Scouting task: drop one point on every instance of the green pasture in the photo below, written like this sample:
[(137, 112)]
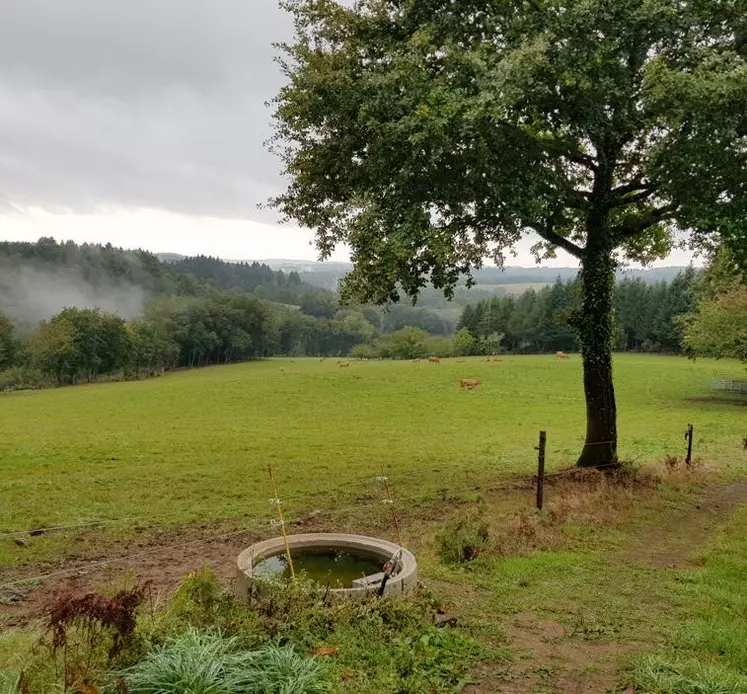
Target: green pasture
[(195, 445)]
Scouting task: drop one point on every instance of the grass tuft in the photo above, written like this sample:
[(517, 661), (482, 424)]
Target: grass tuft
[(209, 663), (658, 675)]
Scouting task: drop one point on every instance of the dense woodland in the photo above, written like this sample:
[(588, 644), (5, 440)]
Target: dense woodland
[(200, 311), (540, 321)]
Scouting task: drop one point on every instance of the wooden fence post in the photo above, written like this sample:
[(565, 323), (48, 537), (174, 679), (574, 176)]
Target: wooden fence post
[(689, 437), (541, 469)]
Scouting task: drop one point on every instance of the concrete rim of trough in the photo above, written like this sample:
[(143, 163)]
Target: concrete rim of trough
[(402, 583)]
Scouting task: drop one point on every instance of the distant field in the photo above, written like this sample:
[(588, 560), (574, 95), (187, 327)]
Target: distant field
[(517, 288), (194, 446)]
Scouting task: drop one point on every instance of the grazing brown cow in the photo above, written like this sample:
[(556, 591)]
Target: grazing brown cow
[(434, 360), (469, 383), (561, 355)]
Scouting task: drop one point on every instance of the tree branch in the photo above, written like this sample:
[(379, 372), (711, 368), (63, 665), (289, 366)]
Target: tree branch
[(636, 226), (635, 185), (644, 193), (582, 159), (549, 235)]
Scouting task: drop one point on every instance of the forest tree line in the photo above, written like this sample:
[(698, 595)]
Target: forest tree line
[(215, 319), (542, 321)]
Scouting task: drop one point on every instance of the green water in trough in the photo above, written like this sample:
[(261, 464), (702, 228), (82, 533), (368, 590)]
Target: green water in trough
[(336, 569)]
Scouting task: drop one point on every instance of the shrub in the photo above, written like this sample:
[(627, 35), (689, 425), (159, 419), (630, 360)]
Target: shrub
[(201, 602), (365, 351), (87, 633), (462, 540), (22, 378)]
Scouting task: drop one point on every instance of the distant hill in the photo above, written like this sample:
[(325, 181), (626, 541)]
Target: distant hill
[(286, 287), (328, 274), (37, 280)]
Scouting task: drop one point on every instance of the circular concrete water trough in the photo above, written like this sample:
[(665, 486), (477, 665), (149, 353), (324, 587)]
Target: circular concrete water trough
[(402, 582)]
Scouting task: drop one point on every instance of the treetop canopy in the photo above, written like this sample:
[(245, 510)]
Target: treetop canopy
[(431, 134)]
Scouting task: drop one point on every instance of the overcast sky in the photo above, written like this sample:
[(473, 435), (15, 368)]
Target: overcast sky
[(142, 122)]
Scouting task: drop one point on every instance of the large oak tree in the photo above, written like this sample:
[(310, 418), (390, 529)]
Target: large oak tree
[(431, 134)]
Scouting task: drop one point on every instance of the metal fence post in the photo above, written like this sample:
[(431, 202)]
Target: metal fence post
[(689, 437), (541, 469)]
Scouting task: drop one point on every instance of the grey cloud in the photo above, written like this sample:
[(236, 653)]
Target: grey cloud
[(143, 103)]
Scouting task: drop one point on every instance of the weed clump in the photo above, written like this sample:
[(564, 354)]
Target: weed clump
[(85, 634), (463, 540)]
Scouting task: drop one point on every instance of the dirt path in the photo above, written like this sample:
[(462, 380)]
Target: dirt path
[(676, 539), (549, 660)]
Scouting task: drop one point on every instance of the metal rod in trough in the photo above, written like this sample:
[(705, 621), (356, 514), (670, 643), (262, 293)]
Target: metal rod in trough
[(390, 502), (279, 506)]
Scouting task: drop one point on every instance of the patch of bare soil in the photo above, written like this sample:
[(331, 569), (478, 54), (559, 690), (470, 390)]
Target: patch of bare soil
[(163, 566), (163, 562), (550, 659)]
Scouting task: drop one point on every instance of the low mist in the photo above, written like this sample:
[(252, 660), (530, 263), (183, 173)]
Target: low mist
[(29, 294)]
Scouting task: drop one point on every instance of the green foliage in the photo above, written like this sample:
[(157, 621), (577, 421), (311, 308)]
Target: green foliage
[(442, 347), (202, 602), (23, 378), (418, 659), (407, 343), (102, 267), (463, 342), (377, 646), (80, 344), (462, 540), (209, 663), (431, 137), (365, 351), (380, 645), (718, 328), (7, 343), (534, 321), (718, 325)]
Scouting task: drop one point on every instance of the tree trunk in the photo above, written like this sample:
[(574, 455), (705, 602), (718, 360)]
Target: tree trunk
[(595, 328)]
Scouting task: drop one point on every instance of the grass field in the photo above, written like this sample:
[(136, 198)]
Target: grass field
[(195, 445), (610, 587)]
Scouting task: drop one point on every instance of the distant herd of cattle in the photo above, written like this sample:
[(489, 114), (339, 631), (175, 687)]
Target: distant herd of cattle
[(467, 383)]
